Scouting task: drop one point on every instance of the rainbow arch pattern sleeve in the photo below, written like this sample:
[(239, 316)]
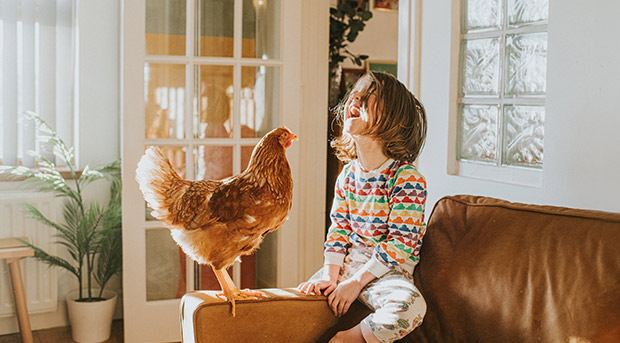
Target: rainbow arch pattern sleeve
[(337, 242)]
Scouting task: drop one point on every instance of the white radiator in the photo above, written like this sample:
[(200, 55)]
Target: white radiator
[(39, 279)]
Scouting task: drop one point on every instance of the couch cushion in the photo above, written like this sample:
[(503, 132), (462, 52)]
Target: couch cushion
[(495, 271)]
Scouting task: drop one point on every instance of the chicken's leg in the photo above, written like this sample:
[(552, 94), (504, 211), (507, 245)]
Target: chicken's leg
[(230, 291)]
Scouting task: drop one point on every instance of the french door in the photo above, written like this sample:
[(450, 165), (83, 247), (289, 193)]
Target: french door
[(204, 80)]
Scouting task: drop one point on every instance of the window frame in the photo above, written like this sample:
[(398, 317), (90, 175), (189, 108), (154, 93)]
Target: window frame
[(511, 174)]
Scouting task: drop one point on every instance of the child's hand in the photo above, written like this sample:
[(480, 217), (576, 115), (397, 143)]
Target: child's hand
[(343, 296), (315, 287), (327, 282)]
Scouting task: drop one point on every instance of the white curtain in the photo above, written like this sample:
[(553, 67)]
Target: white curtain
[(39, 63)]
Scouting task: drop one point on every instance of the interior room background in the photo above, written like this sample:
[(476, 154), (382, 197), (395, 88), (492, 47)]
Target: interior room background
[(582, 144)]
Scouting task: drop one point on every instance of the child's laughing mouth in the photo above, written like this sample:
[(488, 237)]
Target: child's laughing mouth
[(353, 112)]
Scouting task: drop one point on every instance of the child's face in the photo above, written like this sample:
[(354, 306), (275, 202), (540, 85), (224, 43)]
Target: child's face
[(358, 118)]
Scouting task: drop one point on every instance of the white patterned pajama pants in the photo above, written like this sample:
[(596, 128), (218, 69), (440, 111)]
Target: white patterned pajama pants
[(397, 304)]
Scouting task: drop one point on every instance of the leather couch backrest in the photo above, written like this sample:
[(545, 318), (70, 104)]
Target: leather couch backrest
[(495, 271)]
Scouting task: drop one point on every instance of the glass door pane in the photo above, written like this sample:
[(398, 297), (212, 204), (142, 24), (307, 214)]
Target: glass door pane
[(213, 162), (165, 27), (164, 93), (165, 266), (215, 28), (260, 100), (261, 29), (215, 101)]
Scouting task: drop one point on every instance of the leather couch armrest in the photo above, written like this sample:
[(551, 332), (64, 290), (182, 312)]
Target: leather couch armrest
[(282, 315)]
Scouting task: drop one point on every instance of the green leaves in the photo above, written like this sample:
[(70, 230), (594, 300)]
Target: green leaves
[(365, 15), (90, 232), (51, 260), (109, 262), (110, 171), (346, 21)]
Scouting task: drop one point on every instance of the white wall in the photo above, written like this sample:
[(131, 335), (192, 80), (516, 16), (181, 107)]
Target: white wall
[(99, 123), (582, 143), (98, 134)]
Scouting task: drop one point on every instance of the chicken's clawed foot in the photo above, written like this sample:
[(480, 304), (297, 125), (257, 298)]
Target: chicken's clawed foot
[(231, 292), (236, 294), (242, 294)]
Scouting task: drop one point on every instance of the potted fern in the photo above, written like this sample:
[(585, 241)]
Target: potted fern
[(90, 232)]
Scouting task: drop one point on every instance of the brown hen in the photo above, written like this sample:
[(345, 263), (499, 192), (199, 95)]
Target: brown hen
[(217, 221)]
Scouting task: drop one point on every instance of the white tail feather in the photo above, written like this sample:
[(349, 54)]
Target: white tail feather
[(155, 176)]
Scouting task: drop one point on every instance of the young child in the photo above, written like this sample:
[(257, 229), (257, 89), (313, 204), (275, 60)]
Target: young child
[(373, 244)]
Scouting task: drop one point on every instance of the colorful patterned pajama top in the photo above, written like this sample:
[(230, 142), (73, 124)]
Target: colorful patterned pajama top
[(378, 225), (380, 210)]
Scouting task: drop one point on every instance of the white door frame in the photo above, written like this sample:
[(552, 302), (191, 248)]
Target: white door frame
[(410, 43), (305, 32), (314, 47)]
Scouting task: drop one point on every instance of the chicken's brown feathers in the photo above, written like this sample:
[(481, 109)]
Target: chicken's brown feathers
[(215, 221)]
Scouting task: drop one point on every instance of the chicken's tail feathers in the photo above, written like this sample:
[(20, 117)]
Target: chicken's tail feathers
[(159, 182)]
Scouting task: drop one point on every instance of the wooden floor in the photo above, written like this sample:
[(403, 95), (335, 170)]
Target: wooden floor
[(63, 334)]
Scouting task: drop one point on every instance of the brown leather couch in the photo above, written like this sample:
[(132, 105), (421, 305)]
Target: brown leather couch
[(491, 271)]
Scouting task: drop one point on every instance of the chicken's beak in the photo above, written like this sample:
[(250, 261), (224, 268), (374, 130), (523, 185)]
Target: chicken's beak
[(291, 137), (290, 141)]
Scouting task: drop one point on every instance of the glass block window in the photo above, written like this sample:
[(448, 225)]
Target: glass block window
[(502, 82)]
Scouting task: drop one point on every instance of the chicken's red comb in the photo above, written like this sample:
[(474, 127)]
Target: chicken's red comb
[(287, 129)]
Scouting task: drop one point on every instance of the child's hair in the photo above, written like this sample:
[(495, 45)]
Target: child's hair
[(400, 124)]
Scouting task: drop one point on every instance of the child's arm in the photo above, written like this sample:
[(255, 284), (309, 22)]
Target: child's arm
[(336, 245), (337, 241)]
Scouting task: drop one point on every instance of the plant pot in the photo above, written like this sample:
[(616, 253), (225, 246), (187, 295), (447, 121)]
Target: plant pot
[(91, 321)]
